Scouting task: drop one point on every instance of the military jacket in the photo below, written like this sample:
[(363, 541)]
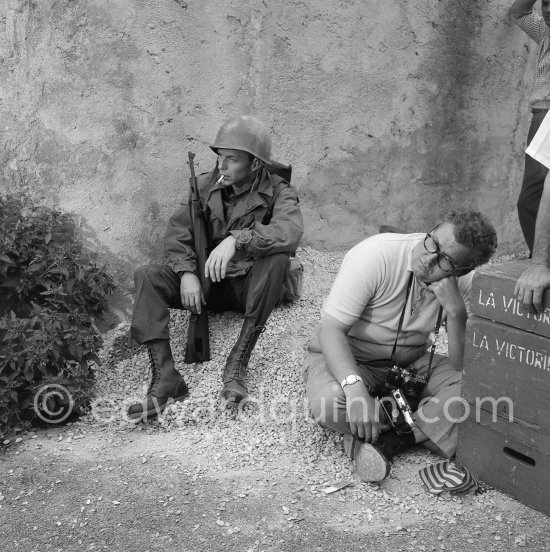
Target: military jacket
[(265, 220)]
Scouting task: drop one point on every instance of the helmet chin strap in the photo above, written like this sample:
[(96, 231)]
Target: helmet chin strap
[(256, 165), (257, 173)]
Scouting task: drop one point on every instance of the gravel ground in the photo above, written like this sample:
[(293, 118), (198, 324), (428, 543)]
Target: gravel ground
[(249, 480)]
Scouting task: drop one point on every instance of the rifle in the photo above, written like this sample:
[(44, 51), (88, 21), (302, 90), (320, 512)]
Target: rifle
[(198, 334)]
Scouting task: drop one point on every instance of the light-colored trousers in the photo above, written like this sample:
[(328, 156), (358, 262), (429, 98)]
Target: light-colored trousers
[(440, 405)]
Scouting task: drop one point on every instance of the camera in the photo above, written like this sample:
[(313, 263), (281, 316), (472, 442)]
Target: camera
[(398, 412), (402, 378), (400, 383)]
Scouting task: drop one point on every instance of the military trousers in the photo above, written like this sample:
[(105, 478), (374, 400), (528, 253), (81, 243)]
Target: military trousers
[(157, 289)]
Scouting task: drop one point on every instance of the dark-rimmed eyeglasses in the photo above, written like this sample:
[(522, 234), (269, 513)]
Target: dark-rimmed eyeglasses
[(444, 262)]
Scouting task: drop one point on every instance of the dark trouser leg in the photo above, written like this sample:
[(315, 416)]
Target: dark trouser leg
[(532, 186), (263, 286), (255, 294), (260, 292), (157, 290)]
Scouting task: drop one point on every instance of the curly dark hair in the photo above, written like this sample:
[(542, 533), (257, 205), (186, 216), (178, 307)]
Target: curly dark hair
[(473, 230)]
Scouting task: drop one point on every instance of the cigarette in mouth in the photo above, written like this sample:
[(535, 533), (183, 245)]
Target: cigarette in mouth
[(220, 180)]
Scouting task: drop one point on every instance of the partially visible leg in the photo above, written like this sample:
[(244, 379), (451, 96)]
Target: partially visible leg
[(532, 186), (263, 286), (157, 290), (260, 291), (441, 406), (327, 403)]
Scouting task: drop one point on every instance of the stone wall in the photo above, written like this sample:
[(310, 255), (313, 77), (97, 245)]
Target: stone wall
[(390, 111)]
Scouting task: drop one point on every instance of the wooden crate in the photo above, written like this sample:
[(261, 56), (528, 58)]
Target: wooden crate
[(505, 440), (497, 454), (509, 368), (493, 298)]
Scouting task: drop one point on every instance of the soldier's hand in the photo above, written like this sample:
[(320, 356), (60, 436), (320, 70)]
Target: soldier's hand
[(192, 297), (363, 413), (531, 285), (216, 264)]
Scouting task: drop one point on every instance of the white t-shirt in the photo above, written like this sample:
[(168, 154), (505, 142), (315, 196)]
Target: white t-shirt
[(369, 292)]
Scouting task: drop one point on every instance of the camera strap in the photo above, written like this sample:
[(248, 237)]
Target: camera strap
[(401, 318), (432, 350), (400, 326)]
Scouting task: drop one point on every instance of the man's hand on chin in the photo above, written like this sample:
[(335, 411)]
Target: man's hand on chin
[(447, 293)]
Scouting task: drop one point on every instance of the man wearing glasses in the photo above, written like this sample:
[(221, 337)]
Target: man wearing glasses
[(383, 305)]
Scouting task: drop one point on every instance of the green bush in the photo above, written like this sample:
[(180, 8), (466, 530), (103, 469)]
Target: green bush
[(50, 290)]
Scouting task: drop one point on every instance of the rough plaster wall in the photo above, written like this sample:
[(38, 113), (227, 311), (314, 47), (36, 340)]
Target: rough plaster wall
[(390, 112)]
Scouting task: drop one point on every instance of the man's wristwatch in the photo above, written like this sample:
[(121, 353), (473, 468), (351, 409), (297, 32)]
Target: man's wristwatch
[(350, 380)]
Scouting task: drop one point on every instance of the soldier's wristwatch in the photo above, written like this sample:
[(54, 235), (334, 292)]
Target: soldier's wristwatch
[(242, 240), (350, 380)]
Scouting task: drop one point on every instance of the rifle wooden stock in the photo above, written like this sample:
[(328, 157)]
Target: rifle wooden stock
[(198, 333), (198, 338)]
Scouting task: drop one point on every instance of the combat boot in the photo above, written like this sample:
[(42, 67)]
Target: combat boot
[(167, 384), (234, 375)]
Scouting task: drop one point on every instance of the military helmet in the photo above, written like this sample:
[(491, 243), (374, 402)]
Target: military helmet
[(244, 133)]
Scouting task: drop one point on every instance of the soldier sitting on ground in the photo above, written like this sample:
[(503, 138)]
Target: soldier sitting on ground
[(254, 224), (375, 327)]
